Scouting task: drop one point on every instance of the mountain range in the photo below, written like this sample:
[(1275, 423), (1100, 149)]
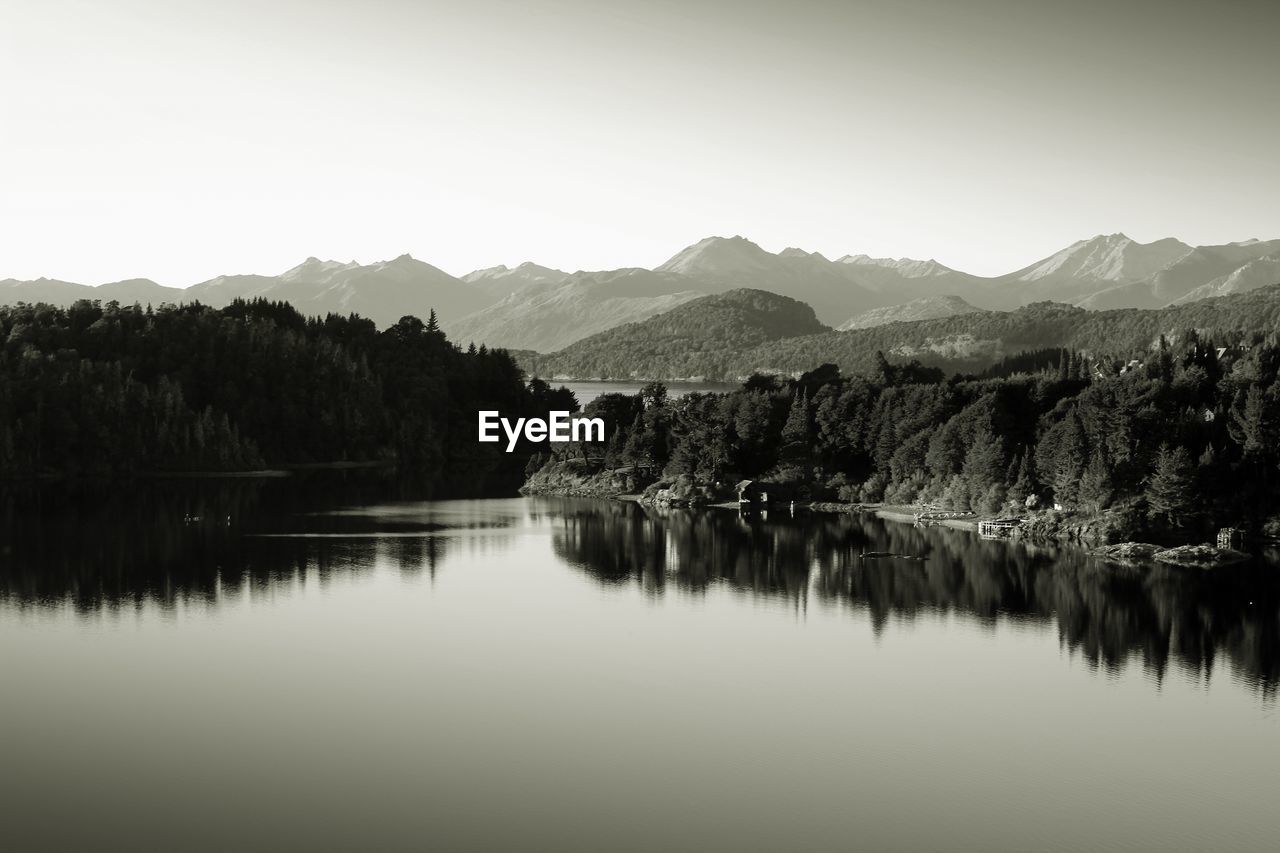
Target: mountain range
[(533, 307), (732, 335)]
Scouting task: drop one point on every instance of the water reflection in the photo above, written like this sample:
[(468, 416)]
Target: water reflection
[(167, 543), (1109, 616), (171, 544)]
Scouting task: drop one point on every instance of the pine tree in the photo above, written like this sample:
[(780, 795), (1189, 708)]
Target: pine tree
[(1249, 425), (983, 471), (433, 325), (638, 449), (1024, 484), (883, 372), (1170, 488), (796, 439), (1095, 484), (1069, 463)]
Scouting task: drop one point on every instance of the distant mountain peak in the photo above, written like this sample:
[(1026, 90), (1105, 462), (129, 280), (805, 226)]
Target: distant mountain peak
[(718, 256), (792, 252), (1107, 258), (907, 267), (502, 280), (314, 269)]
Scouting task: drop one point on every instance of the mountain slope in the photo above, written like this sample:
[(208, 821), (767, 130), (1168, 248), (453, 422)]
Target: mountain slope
[(551, 316), (140, 290), (687, 343), (536, 307), (717, 264), (900, 280), (1195, 269), (1261, 272), (384, 291), (702, 333), (925, 308), (502, 281), (974, 341), (1107, 257)]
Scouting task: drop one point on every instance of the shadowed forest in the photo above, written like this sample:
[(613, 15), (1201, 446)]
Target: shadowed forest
[(109, 391)]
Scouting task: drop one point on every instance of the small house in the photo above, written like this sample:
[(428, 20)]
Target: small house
[(756, 493), (752, 492)]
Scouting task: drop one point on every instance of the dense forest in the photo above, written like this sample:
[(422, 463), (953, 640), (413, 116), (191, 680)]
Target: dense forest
[(1175, 444), (98, 390), (706, 338), (703, 337)]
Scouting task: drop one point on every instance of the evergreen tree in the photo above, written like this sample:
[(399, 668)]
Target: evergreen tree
[(1069, 461), (1170, 489), (983, 472), (797, 442), (1252, 423), (1095, 484), (1023, 479)]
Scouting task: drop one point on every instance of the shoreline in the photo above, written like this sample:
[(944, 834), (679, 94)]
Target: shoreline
[(279, 472), (1186, 555)]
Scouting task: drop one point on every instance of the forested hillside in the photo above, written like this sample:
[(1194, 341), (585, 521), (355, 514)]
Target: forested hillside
[(702, 337), (95, 390), (963, 343), (1181, 444)]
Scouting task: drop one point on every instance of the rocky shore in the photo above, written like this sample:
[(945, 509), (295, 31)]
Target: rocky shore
[(1189, 556), (1107, 535)]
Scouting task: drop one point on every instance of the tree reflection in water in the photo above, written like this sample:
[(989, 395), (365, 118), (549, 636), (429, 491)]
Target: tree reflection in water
[(1109, 615), (170, 544)]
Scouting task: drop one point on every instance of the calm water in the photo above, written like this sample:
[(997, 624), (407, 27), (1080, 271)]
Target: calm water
[(587, 391), (363, 674)]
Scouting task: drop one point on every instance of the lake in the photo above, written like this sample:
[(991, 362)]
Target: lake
[(586, 391), (279, 666)]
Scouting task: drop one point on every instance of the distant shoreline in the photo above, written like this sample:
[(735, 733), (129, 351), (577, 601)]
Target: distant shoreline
[(279, 472)]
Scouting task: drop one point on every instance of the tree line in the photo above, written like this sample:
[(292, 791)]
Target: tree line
[(97, 390), (1182, 440)]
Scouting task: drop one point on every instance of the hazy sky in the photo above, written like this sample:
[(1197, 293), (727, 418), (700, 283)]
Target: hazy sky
[(177, 140)]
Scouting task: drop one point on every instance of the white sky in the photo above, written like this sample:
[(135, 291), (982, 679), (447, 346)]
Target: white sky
[(179, 140)]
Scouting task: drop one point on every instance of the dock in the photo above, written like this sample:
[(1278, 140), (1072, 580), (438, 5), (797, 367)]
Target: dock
[(998, 528)]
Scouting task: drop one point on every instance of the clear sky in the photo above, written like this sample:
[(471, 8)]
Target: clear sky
[(178, 140)]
